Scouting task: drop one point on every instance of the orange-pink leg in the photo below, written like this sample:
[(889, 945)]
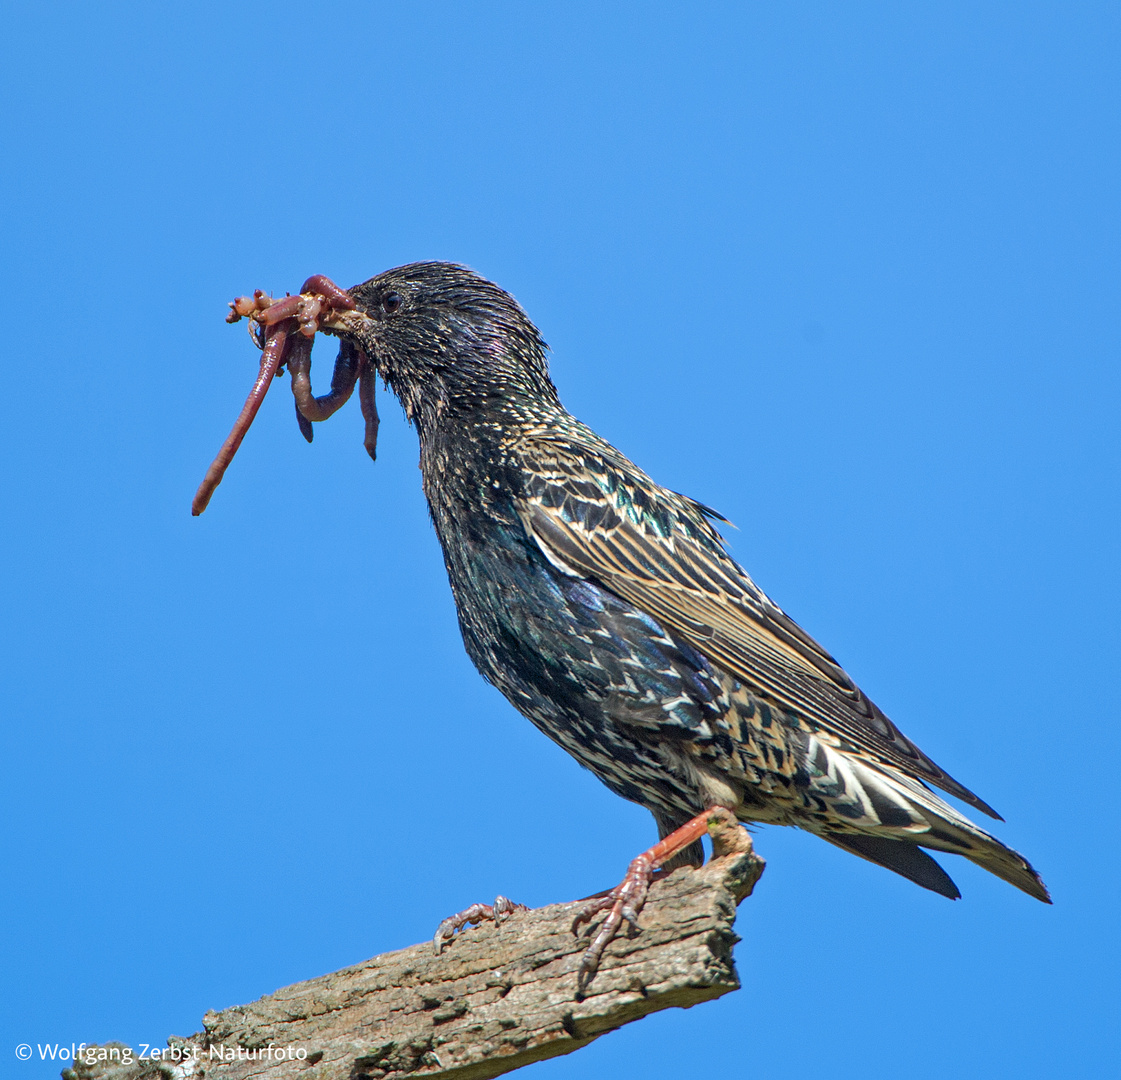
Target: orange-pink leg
[(625, 901)]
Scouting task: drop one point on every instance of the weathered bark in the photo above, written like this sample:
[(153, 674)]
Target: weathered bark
[(498, 997)]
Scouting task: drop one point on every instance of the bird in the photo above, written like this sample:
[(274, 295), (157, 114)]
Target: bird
[(608, 611)]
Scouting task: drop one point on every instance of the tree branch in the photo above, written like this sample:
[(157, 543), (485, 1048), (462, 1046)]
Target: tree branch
[(498, 997)]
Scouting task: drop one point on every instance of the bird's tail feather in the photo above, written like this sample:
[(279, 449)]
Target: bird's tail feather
[(887, 817), (904, 858)]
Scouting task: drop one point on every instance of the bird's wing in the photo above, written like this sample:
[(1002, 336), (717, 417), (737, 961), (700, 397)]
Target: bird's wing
[(605, 520)]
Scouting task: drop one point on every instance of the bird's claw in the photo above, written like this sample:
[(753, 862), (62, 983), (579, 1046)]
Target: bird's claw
[(499, 911), (622, 904)]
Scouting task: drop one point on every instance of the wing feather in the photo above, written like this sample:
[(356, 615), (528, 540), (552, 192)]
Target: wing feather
[(673, 566)]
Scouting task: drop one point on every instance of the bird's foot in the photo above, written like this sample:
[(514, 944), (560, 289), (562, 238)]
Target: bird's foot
[(499, 911), (625, 901)]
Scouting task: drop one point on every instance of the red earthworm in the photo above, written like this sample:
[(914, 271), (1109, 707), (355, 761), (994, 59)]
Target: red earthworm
[(271, 358), (342, 380), (324, 286), (366, 383), (284, 308)]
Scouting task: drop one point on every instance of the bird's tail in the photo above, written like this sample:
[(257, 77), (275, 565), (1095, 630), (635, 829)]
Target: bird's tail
[(888, 818)]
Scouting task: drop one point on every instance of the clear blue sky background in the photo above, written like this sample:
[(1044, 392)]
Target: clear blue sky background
[(846, 272)]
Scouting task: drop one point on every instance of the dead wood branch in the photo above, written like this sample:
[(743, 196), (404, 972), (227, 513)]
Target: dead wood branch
[(497, 998)]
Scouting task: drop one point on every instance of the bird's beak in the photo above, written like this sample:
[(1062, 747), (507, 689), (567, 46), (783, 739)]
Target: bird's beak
[(354, 323)]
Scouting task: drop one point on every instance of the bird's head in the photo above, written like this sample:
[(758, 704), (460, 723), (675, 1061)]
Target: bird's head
[(448, 341), (457, 350)]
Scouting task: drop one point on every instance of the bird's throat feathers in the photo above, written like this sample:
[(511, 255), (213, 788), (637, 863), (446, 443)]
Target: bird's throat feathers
[(455, 348), (480, 386)]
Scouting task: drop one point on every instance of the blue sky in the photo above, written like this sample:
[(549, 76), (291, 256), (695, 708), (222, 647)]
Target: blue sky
[(848, 273)]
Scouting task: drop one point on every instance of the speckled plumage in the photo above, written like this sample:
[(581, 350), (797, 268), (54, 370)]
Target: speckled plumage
[(607, 610)]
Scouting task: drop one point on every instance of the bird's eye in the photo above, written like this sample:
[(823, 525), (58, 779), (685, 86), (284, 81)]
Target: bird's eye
[(391, 302)]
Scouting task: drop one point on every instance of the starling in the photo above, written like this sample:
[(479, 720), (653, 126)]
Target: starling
[(607, 610)]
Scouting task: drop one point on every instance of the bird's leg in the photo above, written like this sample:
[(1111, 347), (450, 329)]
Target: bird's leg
[(625, 901), (499, 911)]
